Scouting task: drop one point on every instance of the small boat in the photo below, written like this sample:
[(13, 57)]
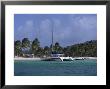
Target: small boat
[(55, 56)]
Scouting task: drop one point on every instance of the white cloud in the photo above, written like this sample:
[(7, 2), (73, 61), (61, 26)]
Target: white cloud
[(25, 30), (29, 23), (84, 22), (20, 28), (57, 22), (45, 24)]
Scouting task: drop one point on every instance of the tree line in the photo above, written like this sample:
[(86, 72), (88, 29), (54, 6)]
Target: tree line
[(26, 46), (86, 49)]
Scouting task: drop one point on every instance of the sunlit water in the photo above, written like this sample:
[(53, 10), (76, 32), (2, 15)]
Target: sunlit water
[(56, 68)]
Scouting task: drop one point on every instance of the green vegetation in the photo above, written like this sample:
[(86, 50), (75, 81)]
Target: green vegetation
[(35, 46), (86, 49), (17, 48)]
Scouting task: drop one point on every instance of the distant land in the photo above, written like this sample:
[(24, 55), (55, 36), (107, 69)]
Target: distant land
[(86, 49)]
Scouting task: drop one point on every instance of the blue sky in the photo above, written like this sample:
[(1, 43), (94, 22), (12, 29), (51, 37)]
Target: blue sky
[(68, 29)]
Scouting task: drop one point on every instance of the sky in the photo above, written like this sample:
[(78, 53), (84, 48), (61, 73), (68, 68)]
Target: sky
[(68, 29)]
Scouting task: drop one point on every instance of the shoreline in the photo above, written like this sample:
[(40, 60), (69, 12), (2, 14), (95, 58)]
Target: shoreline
[(40, 59), (21, 58)]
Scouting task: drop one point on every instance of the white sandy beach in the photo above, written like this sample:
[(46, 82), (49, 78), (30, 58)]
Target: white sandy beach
[(39, 59), (21, 58)]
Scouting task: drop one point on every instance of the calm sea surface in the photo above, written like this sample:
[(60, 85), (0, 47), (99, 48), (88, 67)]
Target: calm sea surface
[(56, 68)]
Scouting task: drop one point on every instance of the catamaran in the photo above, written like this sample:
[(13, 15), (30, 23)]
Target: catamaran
[(56, 56)]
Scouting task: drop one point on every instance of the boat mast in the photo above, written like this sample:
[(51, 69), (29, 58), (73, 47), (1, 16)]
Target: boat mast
[(52, 36)]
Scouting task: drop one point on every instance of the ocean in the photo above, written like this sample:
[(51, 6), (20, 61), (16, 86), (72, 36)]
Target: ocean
[(55, 68)]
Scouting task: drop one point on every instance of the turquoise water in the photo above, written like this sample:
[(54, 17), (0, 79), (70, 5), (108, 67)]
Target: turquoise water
[(56, 68)]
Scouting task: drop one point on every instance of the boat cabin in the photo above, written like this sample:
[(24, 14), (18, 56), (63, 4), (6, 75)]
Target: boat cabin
[(56, 54)]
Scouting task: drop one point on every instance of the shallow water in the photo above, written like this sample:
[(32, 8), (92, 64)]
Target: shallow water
[(56, 68)]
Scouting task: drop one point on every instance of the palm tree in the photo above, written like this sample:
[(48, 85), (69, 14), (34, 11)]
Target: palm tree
[(40, 52), (26, 45), (57, 47), (46, 50), (35, 45), (18, 48)]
